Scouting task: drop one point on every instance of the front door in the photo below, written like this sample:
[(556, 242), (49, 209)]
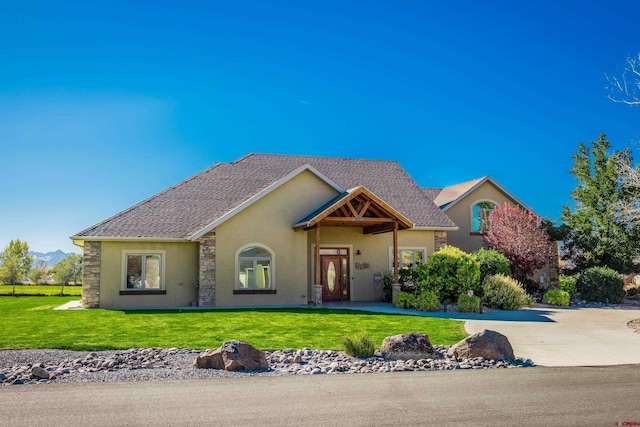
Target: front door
[(335, 274)]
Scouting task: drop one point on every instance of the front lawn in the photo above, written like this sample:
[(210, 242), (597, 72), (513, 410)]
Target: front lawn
[(40, 290), (31, 322)]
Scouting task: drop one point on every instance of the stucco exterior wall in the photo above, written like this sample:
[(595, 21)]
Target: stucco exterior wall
[(375, 250), (268, 223), (180, 268), (460, 214)]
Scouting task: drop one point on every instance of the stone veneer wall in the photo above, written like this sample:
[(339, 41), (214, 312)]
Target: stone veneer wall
[(554, 268), (440, 239), (207, 277), (91, 276)]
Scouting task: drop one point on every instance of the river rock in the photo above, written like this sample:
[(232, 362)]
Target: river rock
[(233, 356), (487, 344), (413, 345)]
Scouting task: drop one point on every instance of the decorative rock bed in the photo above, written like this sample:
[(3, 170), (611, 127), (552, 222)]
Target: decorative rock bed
[(141, 364)]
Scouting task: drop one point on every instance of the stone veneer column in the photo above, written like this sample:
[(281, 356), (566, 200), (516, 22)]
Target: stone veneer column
[(91, 276), (207, 277), (554, 268), (440, 238)]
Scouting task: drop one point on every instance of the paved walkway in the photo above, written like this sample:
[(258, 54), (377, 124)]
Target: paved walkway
[(550, 336)]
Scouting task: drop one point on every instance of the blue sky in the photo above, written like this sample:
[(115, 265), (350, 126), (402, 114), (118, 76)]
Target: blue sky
[(104, 105)]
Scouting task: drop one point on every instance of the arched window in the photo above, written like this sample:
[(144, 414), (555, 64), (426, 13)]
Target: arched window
[(255, 268), (480, 216)]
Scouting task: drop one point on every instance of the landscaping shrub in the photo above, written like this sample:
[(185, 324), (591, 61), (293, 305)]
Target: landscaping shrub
[(450, 272), (567, 284), (468, 303), (428, 301), (405, 300), (358, 345), (557, 297), (408, 279), (387, 281), (600, 284), (504, 293), (491, 262)]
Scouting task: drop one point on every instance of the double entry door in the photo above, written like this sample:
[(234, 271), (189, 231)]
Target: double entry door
[(335, 274)]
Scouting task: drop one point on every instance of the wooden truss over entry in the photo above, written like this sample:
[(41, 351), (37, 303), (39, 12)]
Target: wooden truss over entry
[(357, 207)]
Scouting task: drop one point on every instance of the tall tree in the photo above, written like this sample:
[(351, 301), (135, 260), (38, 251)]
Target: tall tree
[(598, 235), (15, 262), (36, 273), (625, 87), (68, 270), (518, 234)]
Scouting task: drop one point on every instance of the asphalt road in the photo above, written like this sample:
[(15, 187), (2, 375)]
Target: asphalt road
[(533, 396)]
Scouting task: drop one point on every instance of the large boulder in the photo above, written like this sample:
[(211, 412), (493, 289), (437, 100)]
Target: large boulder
[(487, 344), (233, 356), (413, 345)]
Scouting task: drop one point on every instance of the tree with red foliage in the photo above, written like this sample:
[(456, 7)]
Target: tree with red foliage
[(518, 234)]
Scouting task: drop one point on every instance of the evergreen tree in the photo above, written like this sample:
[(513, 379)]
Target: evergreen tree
[(597, 236)]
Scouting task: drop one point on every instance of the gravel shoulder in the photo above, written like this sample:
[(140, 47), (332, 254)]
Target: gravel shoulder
[(146, 364)]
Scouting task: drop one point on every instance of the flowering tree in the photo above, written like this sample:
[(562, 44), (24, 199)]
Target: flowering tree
[(519, 236)]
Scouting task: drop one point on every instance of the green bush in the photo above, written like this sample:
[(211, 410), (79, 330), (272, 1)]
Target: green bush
[(556, 297), (468, 303), (491, 262), (450, 272), (427, 301), (408, 278), (405, 300), (358, 345), (567, 284), (387, 281), (600, 284), (504, 293)]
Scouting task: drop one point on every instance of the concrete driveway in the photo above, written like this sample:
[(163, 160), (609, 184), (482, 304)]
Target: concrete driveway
[(567, 336), (550, 336)]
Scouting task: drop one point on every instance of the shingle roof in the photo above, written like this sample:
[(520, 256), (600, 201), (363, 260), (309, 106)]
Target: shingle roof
[(432, 193), (452, 193), (191, 205)]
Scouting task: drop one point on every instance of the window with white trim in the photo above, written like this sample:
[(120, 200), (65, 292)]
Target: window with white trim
[(480, 216), (143, 271), (255, 268), (408, 257)]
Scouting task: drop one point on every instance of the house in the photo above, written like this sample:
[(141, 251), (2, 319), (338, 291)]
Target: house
[(468, 204), (263, 230), (273, 230)]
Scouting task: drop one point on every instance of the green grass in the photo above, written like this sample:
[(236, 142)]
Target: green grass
[(40, 290), (31, 322)]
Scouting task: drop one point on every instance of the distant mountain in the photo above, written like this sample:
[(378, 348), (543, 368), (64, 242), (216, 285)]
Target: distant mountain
[(50, 258)]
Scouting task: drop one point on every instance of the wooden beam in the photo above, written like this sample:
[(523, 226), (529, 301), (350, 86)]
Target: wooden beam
[(351, 208), (395, 253), (378, 229), (344, 211), (356, 221), (318, 273), (364, 208)]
